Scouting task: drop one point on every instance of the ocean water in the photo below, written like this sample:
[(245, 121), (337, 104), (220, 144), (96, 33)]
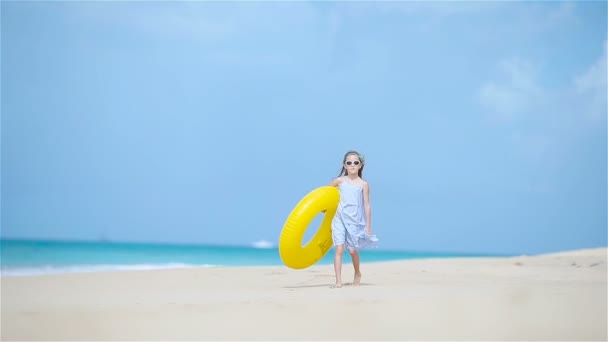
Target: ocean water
[(35, 257)]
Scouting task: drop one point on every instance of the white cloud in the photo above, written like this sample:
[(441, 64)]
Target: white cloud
[(183, 21), (236, 34), (539, 18), (520, 93), (565, 12), (544, 119), (442, 8), (591, 87), (508, 99), (207, 21)]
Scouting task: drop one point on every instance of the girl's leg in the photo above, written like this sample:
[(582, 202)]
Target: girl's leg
[(355, 256), (338, 264)]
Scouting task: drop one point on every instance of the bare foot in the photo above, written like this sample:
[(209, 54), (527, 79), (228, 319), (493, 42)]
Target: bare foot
[(357, 280), (337, 286)]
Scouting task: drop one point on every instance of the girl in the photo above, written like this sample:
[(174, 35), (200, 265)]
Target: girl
[(352, 224)]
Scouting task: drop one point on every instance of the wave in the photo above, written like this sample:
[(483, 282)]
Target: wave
[(54, 269), (262, 244)]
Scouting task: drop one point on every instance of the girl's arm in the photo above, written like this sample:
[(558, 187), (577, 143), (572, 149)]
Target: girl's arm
[(336, 181), (368, 209)]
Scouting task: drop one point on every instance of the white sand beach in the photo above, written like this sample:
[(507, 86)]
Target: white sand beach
[(550, 297)]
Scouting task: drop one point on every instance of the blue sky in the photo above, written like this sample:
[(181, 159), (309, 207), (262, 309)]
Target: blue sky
[(483, 123)]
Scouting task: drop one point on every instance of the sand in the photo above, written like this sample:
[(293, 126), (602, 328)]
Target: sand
[(550, 297)]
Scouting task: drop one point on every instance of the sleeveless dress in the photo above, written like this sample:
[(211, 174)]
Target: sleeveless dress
[(348, 225)]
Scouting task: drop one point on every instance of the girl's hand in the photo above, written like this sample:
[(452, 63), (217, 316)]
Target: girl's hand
[(368, 230)]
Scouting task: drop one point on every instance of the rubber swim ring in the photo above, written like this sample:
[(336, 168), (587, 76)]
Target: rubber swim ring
[(292, 253)]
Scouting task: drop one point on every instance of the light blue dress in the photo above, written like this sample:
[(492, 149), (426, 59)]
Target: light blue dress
[(348, 225)]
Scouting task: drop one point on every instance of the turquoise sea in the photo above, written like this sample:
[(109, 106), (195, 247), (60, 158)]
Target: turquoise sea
[(33, 257)]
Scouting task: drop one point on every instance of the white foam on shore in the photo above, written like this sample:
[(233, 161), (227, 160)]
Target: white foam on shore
[(262, 244), (54, 269)]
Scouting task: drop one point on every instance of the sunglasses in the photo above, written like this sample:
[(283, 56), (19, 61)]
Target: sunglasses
[(356, 162)]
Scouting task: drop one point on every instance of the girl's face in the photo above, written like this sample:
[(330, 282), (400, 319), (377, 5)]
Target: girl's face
[(352, 164)]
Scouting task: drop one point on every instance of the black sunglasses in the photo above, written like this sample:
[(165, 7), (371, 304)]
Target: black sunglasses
[(356, 162)]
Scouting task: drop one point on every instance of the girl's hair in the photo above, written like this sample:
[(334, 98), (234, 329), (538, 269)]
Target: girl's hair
[(343, 172)]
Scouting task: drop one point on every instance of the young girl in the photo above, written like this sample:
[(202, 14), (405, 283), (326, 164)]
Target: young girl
[(352, 224)]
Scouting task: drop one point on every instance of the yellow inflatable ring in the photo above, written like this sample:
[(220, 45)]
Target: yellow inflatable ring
[(292, 253)]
